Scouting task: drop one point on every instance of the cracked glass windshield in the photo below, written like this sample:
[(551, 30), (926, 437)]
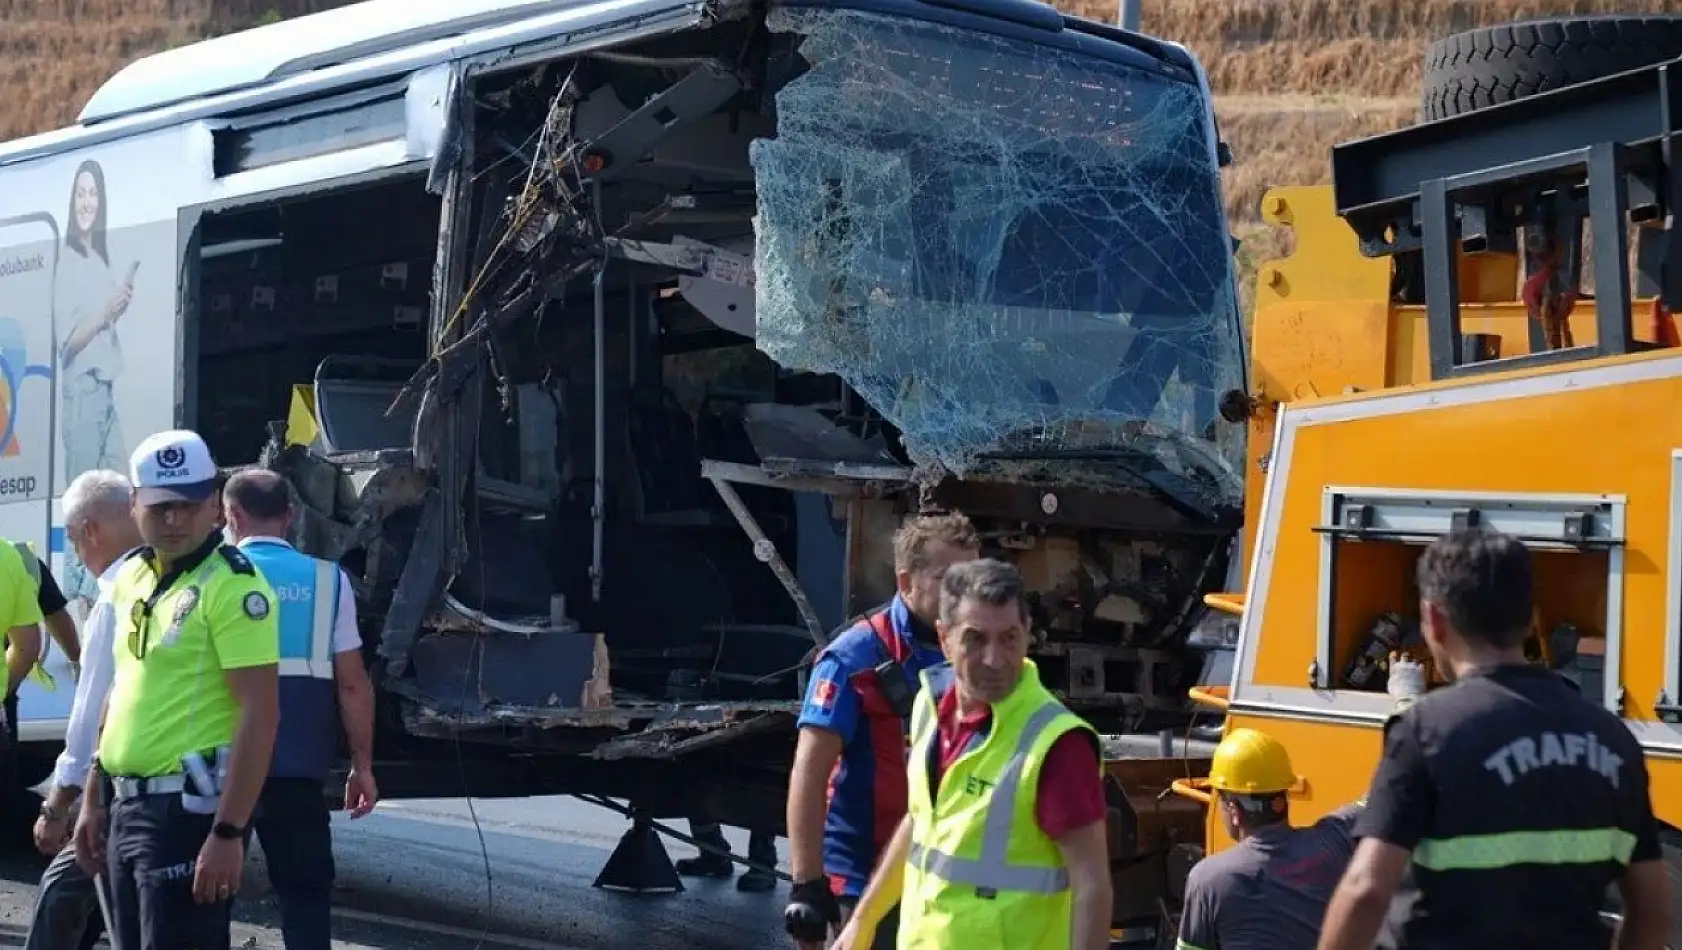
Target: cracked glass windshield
[(1014, 252)]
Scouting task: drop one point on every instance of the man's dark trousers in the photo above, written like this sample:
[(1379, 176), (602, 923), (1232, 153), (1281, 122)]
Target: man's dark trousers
[(296, 832), (151, 855), (66, 907)]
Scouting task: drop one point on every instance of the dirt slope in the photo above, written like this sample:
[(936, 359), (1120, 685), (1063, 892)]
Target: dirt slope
[(1291, 76), (55, 53), (1294, 76)]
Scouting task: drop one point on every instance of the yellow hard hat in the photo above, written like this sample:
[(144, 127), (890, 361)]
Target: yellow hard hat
[(1248, 762)]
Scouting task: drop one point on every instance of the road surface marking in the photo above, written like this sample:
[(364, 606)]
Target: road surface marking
[(466, 933)]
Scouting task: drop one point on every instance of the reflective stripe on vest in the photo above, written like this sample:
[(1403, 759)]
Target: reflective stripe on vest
[(993, 872), (31, 564), (1510, 849)]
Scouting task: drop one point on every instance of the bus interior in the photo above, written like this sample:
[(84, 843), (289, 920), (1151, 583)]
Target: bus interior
[(641, 468)]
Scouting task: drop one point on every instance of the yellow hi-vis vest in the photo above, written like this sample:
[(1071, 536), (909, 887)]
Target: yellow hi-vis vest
[(981, 874), (32, 567)]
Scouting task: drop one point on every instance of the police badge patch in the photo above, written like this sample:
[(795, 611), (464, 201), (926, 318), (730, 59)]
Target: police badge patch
[(256, 605), (189, 600)]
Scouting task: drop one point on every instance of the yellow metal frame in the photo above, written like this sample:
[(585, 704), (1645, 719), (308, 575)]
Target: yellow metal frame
[(1341, 382)]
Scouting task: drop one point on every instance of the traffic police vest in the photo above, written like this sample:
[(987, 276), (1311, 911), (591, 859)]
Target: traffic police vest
[(32, 567), (980, 872), (308, 590)]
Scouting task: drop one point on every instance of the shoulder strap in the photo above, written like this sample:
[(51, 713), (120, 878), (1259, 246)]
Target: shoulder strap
[(326, 610), (901, 693), (883, 626), (237, 560)]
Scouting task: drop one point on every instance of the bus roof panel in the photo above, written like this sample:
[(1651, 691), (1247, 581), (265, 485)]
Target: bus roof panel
[(266, 53)]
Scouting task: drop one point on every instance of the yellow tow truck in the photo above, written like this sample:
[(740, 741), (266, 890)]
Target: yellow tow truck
[(1475, 327)]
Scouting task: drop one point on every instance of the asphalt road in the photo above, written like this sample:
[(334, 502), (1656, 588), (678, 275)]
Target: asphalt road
[(412, 877)]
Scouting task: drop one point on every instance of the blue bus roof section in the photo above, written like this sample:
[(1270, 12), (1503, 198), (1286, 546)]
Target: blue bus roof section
[(1034, 22), (265, 54)]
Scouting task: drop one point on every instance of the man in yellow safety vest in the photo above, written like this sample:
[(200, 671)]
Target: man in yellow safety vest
[(55, 616), (1004, 844)]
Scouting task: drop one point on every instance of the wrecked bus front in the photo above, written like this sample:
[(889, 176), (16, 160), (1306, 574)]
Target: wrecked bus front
[(612, 340), (1004, 231)]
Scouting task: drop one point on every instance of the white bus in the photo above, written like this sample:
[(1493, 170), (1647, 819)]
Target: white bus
[(519, 293)]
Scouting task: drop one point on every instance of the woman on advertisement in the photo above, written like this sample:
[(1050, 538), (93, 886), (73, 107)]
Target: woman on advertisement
[(88, 302)]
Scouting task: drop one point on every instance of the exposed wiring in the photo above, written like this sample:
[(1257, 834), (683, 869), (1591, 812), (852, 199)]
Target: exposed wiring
[(527, 206), (461, 759)]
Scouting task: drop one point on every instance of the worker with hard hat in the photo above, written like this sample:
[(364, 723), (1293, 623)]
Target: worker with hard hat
[(1269, 892)]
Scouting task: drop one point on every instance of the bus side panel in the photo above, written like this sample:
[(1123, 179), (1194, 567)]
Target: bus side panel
[(88, 343), (30, 247)]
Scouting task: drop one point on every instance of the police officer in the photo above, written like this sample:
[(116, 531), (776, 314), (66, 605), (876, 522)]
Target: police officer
[(322, 681), (846, 790), (1511, 800), (1269, 892), (1005, 841), (190, 719)]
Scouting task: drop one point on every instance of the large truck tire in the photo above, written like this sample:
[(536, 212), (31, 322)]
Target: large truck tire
[(1479, 68)]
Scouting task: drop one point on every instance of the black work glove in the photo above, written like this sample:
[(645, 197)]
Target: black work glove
[(811, 910)]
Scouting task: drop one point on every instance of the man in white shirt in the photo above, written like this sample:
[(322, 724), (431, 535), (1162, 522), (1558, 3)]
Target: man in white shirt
[(99, 526)]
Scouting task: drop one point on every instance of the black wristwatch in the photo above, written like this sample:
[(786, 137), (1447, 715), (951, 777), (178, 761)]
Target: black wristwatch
[(52, 814), (227, 830)]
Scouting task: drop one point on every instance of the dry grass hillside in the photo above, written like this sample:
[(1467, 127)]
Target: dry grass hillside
[(55, 53), (1291, 76)]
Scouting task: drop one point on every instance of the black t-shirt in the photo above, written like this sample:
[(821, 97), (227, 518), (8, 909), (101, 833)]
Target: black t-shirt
[(1521, 802), (49, 596)]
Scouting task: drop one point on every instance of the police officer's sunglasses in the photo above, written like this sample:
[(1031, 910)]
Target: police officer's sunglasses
[(140, 627)]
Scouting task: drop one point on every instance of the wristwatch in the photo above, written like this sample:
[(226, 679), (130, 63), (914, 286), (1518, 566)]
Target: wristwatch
[(50, 813), (227, 830)]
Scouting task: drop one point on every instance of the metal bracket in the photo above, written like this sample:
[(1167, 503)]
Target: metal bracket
[(765, 551), (695, 96), (1442, 212), (1378, 182), (1602, 149), (1667, 711)]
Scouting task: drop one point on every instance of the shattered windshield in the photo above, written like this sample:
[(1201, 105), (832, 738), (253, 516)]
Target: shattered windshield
[(1011, 251)]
